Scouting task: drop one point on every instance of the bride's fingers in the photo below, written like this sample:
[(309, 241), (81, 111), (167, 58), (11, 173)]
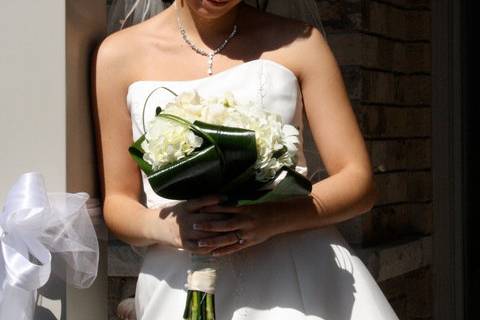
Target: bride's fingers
[(219, 241), (193, 205), (227, 209), (223, 225), (193, 247), (228, 249), (197, 235)]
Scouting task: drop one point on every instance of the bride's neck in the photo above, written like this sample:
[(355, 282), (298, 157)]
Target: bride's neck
[(206, 28)]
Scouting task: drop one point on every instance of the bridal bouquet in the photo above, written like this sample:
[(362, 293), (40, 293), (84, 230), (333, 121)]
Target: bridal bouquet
[(196, 146)]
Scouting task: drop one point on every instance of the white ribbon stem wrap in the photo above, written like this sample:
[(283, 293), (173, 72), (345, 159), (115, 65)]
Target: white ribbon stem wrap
[(202, 280), (33, 225), (203, 275)]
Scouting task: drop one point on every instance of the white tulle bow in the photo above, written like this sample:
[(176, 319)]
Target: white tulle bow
[(33, 225)]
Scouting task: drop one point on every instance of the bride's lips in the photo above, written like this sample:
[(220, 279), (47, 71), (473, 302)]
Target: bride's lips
[(216, 3)]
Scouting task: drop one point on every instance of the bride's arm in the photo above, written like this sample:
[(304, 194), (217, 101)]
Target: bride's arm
[(124, 214), (348, 191), (120, 179)]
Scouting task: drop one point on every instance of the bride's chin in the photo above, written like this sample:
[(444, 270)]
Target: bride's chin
[(212, 8)]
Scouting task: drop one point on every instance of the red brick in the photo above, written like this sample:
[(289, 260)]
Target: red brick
[(378, 53), (341, 16), (392, 122), (410, 294), (402, 154), (419, 153), (410, 4), (419, 301), (418, 57), (396, 89), (413, 89), (348, 48), (378, 87), (352, 76), (404, 186), (418, 26), (393, 22), (392, 222)]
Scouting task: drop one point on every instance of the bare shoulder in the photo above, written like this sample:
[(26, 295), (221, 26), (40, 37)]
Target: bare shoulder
[(289, 39), (317, 56), (115, 55), (112, 55), (308, 53)]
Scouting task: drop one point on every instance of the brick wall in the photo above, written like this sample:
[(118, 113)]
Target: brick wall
[(384, 49)]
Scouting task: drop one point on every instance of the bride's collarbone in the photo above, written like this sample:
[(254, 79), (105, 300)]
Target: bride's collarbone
[(171, 59), (177, 70)]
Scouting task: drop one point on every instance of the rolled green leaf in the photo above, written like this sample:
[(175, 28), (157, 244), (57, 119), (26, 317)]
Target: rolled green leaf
[(223, 164), (137, 152), (238, 146), (293, 185), (204, 171)]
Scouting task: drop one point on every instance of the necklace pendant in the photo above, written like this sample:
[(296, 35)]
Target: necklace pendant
[(210, 64), (210, 71), (198, 50)]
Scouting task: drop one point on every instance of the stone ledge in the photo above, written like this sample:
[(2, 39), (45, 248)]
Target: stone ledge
[(388, 223), (384, 262), (390, 261), (404, 186), (123, 261)]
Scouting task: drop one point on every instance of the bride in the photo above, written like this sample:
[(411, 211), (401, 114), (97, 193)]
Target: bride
[(283, 260)]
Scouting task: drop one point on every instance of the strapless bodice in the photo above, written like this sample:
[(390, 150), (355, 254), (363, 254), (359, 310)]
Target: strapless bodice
[(304, 275), (264, 82)]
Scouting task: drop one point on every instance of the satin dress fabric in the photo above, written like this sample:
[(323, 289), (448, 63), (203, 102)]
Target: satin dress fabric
[(300, 275)]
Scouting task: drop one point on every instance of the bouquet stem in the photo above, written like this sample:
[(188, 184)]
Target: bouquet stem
[(210, 307), (199, 306)]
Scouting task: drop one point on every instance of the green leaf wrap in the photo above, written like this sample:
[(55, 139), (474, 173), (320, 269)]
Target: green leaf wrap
[(223, 164)]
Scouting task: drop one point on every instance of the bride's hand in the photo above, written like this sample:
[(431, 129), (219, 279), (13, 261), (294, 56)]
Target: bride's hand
[(253, 224), (182, 216)]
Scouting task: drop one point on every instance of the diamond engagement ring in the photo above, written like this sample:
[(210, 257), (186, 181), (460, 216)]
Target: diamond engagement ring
[(239, 238)]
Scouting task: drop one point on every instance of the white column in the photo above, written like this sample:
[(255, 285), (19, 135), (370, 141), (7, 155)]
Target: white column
[(33, 91), (45, 118)]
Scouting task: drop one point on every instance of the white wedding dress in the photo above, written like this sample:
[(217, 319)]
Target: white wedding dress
[(295, 276)]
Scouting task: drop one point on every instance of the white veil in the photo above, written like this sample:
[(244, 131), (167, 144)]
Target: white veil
[(124, 13)]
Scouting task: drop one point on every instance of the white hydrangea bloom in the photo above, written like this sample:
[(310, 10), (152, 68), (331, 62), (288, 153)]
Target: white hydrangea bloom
[(167, 141)]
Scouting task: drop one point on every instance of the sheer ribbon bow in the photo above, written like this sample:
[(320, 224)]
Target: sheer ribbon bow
[(33, 225)]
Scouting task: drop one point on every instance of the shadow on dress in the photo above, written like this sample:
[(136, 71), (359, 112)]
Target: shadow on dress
[(310, 272)]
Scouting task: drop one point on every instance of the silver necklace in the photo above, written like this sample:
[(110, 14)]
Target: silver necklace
[(199, 50)]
